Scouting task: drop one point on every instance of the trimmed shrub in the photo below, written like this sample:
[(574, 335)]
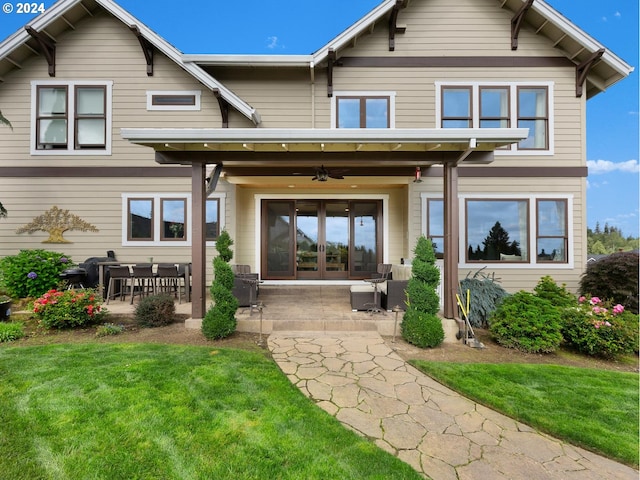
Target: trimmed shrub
[(422, 329), (68, 308), (596, 328), (486, 294), (615, 278), (220, 320), (527, 323), (155, 311), (556, 295), (32, 273), (10, 331), (420, 324)]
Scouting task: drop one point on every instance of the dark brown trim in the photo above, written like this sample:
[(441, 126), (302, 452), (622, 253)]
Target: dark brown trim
[(91, 172), (224, 108), (331, 62), (491, 171), (393, 24), (435, 62)]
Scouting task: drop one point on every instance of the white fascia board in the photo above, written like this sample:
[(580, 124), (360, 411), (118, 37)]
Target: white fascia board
[(575, 32), (345, 135), (350, 33), (250, 60)]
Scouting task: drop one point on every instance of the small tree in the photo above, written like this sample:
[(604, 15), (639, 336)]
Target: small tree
[(220, 319), (421, 325)]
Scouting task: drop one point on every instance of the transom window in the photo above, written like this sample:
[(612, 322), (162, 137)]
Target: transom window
[(173, 100), (71, 118), (505, 230), (158, 219), (363, 110), (499, 105)]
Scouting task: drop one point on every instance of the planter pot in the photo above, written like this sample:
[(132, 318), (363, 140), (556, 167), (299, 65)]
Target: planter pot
[(5, 309)]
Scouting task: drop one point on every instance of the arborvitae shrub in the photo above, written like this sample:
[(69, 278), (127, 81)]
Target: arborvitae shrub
[(527, 323), (420, 324), (155, 311), (614, 278), (220, 320)]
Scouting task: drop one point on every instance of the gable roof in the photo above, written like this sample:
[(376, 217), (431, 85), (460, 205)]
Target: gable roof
[(63, 14), (573, 43)]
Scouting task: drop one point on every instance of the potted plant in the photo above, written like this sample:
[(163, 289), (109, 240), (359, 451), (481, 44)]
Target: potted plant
[(5, 307)]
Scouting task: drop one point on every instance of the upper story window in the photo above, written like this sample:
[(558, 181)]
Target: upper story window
[(363, 110), (500, 105), (173, 100), (163, 219), (71, 118)]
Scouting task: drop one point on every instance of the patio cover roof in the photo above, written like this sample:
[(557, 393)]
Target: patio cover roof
[(287, 152)]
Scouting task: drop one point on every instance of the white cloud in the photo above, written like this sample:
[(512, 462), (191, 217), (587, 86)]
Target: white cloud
[(273, 42), (598, 167), (617, 14)]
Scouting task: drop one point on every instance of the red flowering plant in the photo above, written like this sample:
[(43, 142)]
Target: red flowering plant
[(596, 327), (68, 308)]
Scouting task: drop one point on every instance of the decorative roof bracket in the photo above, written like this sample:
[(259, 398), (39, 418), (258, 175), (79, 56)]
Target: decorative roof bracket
[(582, 70), (224, 108), (47, 47), (393, 24), (211, 182), (516, 23), (331, 62), (147, 49)]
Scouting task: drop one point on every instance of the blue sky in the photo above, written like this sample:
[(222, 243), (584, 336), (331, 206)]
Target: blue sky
[(288, 27)]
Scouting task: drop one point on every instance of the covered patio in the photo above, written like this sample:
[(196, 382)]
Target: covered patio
[(387, 155)]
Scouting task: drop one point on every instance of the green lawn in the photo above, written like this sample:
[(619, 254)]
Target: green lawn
[(594, 409), (144, 411)]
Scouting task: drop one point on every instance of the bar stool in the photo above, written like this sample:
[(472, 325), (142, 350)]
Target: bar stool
[(168, 280), (144, 279), (122, 275), (383, 271)]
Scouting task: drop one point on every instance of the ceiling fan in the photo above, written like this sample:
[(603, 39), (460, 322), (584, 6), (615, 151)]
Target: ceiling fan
[(323, 174)]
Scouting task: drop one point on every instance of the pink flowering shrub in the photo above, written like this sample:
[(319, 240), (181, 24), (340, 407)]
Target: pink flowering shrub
[(596, 327), (68, 308)]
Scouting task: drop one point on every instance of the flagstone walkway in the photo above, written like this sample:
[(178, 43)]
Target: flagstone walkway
[(357, 378)]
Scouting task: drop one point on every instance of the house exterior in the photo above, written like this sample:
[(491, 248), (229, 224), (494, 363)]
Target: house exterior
[(465, 123)]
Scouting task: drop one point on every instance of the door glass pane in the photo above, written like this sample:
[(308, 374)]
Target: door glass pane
[(365, 248), (279, 223), (348, 113), (141, 219), (173, 219), (337, 236), (435, 225), (307, 236), (377, 113)]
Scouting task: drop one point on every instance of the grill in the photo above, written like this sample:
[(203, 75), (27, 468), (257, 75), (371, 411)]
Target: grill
[(75, 277)]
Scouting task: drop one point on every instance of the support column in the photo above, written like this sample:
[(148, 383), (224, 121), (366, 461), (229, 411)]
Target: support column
[(198, 245), (451, 239)]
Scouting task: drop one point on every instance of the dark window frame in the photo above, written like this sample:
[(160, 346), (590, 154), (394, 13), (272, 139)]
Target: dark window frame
[(78, 118), (163, 236), (215, 238), (173, 100), (444, 118), (47, 146), (363, 107), (545, 118), (130, 237), (564, 238)]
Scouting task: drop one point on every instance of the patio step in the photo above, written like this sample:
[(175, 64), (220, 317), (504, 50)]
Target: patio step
[(323, 325)]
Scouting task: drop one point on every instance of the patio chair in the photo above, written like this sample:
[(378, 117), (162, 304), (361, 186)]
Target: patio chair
[(143, 280), (121, 275), (383, 271), (168, 280)]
